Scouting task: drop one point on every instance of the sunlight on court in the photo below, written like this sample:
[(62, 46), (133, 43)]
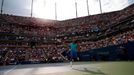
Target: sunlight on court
[(48, 70), (79, 68)]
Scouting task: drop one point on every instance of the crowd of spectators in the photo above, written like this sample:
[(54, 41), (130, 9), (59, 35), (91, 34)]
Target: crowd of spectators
[(33, 26), (24, 55), (53, 53), (110, 41)]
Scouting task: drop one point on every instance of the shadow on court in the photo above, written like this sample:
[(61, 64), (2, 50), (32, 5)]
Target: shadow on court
[(90, 71)]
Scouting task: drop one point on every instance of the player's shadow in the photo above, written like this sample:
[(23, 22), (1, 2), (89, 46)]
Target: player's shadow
[(90, 71)]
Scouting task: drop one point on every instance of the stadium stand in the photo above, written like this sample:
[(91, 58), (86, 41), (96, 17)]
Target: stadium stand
[(25, 40)]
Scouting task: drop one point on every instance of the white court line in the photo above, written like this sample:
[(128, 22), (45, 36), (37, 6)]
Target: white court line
[(10, 70)]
